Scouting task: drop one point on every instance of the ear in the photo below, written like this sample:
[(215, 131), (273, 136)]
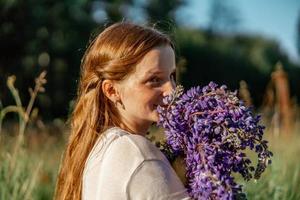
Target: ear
[(110, 90)]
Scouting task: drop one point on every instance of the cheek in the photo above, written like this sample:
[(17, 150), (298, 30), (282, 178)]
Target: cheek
[(149, 97), (152, 98), (140, 97)]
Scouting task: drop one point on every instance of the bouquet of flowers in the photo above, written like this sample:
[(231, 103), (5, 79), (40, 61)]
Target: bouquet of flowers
[(211, 128)]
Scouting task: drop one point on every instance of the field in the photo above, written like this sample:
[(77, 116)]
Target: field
[(31, 172), (31, 150)]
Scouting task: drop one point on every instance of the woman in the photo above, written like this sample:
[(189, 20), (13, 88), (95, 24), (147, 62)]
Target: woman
[(125, 73)]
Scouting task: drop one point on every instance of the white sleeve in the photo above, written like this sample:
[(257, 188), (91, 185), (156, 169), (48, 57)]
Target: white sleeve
[(155, 180)]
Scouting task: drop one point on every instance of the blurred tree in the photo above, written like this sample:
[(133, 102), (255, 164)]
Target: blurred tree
[(223, 17), (52, 35), (229, 59), (44, 34), (298, 34), (162, 14), (115, 10)]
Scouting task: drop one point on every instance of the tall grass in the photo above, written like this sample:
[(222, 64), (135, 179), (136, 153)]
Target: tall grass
[(282, 179), (37, 162), (29, 161), (17, 179)]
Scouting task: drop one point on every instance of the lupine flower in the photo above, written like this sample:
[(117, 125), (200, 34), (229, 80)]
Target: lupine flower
[(212, 128)]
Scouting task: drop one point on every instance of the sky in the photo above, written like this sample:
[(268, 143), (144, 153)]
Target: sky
[(275, 19)]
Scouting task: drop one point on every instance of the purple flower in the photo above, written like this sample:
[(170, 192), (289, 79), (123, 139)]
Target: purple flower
[(211, 127)]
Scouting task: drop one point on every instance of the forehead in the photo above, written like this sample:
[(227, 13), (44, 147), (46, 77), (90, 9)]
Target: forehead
[(157, 59)]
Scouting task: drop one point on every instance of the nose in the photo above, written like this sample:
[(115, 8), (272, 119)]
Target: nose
[(169, 86)]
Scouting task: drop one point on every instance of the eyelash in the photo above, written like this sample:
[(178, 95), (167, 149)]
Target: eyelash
[(156, 80)]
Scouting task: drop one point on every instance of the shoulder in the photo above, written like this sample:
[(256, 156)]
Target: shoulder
[(134, 145), (125, 155)]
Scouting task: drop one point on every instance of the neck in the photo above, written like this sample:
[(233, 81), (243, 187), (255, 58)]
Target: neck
[(136, 129)]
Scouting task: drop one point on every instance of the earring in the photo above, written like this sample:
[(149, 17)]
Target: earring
[(119, 101)]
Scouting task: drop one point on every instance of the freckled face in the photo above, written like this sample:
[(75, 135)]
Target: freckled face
[(145, 88)]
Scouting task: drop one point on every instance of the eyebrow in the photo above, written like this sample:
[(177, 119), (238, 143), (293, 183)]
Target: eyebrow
[(154, 72)]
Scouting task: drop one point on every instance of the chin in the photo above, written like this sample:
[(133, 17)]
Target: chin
[(155, 117)]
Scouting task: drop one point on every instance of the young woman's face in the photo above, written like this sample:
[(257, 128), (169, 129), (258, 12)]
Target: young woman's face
[(144, 89)]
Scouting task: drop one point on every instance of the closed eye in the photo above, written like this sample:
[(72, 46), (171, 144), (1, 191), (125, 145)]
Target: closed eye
[(154, 80)]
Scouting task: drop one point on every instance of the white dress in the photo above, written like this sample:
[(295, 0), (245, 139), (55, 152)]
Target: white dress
[(127, 166)]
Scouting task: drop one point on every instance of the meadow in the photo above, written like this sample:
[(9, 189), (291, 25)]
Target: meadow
[(31, 150), (35, 167)]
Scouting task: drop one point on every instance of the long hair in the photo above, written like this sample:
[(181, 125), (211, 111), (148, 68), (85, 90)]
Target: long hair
[(112, 55)]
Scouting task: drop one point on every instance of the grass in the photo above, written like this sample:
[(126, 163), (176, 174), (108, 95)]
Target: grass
[(282, 179), (19, 170), (34, 174), (30, 158)]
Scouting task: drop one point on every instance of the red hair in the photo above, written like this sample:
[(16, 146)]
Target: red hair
[(112, 55)]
